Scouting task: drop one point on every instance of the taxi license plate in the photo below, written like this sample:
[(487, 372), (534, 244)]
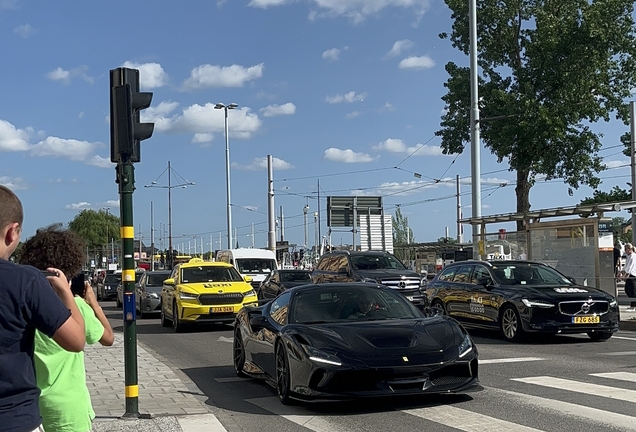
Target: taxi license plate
[(221, 309), (586, 319)]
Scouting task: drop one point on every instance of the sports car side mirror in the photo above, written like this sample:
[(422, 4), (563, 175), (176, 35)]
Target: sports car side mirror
[(259, 322)]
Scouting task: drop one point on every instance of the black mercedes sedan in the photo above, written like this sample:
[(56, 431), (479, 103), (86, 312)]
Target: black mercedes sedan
[(281, 280), (518, 297), (352, 340)]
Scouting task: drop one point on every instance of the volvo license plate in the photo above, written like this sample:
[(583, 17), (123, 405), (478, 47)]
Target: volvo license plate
[(221, 309), (589, 319)]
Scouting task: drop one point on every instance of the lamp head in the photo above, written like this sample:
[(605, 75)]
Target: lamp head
[(219, 106), (232, 106)]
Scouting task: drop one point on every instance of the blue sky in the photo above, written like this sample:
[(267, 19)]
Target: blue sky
[(339, 92)]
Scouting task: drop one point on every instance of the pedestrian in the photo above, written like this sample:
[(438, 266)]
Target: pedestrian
[(28, 302), (65, 403), (617, 259), (629, 271)]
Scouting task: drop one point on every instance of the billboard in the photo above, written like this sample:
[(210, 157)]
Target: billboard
[(346, 211)]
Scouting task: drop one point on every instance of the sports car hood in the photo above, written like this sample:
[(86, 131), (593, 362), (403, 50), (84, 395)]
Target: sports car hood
[(424, 340)]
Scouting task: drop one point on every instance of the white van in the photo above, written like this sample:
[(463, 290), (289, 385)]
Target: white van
[(256, 263)]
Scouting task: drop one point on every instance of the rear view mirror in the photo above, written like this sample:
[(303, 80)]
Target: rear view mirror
[(258, 322), (169, 282)]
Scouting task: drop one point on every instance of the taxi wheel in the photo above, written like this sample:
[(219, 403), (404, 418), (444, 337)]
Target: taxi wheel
[(239, 354), (510, 324), (179, 327), (282, 375), (165, 322), (599, 336)]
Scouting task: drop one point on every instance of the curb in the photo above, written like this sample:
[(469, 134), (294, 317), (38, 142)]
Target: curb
[(627, 325)]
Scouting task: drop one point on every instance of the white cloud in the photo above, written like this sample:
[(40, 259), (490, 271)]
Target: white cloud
[(264, 4), (60, 147), (331, 54), (259, 164), (207, 76), (11, 138), (100, 162), (418, 63), (397, 188), (278, 110), (15, 183), (393, 145), (151, 75), (399, 47), (81, 115), (66, 76), (109, 203), (388, 107), (347, 156), (202, 138), (346, 98), (79, 206), (611, 164), (353, 114), (25, 30)]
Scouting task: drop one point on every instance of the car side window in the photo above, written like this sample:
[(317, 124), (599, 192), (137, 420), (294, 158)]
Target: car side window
[(279, 308), (324, 263), (463, 274), (480, 272), (447, 274)]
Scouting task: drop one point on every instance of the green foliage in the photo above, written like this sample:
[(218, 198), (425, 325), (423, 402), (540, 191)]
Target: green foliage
[(449, 240), (552, 68), (97, 228), (616, 194), (402, 233)]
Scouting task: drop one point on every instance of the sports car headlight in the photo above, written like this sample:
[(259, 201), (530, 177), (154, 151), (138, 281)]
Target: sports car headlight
[(466, 346), (187, 296), (249, 293), (319, 356), (613, 303), (536, 303)]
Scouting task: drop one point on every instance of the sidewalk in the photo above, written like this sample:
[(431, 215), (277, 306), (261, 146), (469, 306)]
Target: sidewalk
[(167, 403)]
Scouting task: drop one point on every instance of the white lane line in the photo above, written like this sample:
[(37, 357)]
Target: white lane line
[(581, 387), (619, 353), (225, 339), (597, 416), (624, 338), (623, 376), (230, 379), (467, 420), (200, 422), (297, 415), (510, 360)]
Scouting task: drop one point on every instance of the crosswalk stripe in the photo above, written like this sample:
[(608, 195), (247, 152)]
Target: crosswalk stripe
[(581, 387), (623, 376), (297, 415), (619, 353), (624, 338), (468, 421), (510, 360), (200, 422), (619, 421)]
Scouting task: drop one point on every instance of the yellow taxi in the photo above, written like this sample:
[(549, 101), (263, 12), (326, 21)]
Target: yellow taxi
[(203, 292)]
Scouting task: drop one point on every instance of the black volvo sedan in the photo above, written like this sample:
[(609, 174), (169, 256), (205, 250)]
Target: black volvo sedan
[(352, 340), (522, 296)]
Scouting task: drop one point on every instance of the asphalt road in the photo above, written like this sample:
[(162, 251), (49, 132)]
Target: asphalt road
[(558, 384)]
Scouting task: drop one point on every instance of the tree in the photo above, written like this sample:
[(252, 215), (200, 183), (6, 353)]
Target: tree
[(616, 194), (97, 228), (402, 233), (550, 68), (448, 240)]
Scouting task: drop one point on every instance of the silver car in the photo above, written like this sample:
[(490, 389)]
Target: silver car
[(148, 296)]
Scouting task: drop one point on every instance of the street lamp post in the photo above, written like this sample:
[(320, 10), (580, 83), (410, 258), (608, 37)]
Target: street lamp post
[(170, 186), (227, 171), (107, 209)]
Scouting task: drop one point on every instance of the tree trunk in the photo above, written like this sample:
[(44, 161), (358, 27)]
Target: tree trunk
[(523, 195)]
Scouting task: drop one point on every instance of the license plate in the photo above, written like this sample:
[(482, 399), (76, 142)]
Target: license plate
[(586, 319), (221, 309)]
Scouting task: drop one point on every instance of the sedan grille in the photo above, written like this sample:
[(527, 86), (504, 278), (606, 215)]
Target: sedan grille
[(407, 283), (218, 299), (582, 307)]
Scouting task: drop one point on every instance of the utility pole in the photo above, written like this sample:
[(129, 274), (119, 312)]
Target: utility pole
[(459, 214), (305, 210), (632, 111), (152, 238), (475, 149), (271, 210)]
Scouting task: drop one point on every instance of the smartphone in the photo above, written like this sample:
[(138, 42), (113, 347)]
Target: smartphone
[(77, 285), (49, 273)]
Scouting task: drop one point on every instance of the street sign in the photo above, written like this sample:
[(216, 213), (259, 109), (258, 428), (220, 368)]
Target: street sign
[(342, 210)]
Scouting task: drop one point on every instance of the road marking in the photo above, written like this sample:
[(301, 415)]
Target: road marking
[(200, 422), (467, 420), (623, 376), (225, 339), (624, 338), (581, 387), (619, 421), (510, 360), (620, 353), (230, 379), (297, 415)]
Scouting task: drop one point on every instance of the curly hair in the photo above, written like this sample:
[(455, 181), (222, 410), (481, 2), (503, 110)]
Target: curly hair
[(56, 247)]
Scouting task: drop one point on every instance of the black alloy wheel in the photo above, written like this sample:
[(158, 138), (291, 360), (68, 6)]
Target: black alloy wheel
[(599, 336), (510, 324), (282, 374), (438, 304), (165, 322), (179, 327), (239, 354)]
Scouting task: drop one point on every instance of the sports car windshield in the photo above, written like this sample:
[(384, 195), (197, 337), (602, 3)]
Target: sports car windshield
[(376, 262), (210, 274), (528, 274), (338, 304)]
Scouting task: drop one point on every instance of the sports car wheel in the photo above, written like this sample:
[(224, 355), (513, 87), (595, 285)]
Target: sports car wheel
[(599, 336), (165, 322), (179, 327), (282, 374), (239, 354), (510, 324), (438, 304)]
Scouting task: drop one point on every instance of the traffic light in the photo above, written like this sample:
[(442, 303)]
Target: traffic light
[(126, 102)]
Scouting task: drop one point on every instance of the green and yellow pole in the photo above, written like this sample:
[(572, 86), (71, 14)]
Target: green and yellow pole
[(126, 180)]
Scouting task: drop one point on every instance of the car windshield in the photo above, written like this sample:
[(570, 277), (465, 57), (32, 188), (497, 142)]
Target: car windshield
[(256, 265), (295, 276), (210, 274), (528, 274), (156, 279), (112, 278), (376, 262), (338, 304)]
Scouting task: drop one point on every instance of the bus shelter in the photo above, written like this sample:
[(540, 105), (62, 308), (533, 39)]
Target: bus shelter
[(581, 247)]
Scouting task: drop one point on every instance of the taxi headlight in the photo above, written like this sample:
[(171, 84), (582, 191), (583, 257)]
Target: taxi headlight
[(187, 296), (465, 347), (249, 293), (536, 303)]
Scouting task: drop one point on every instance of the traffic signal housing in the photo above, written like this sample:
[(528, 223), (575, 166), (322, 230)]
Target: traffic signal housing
[(126, 102)]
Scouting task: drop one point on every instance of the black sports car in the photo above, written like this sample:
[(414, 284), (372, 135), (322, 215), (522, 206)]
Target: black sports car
[(349, 340), (522, 296)]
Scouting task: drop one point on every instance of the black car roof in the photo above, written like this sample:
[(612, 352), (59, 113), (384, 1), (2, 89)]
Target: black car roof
[(331, 285), (495, 262)]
